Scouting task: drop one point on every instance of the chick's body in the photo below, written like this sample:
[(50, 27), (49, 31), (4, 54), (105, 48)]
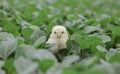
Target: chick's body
[(58, 36)]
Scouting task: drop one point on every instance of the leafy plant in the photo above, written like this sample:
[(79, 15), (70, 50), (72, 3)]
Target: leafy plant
[(93, 46)]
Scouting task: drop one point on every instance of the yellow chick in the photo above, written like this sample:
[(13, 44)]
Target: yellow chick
[(58, 36)]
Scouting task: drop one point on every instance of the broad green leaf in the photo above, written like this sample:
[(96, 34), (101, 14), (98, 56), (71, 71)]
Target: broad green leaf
[(2, 71), (67, 61), (6, 36), (44, 65), (11, 28), (89, 62), (49, 28), (7, 47), (26, 51), (30, 52), (25, 66), (20, 42), (9, 67), (72, 17), (104, 68), (115, 29), (74, 69), (116, 67), (115, 57), (72, 46), (55, 69), (26, 33), (89, 29), (36, 35), (69, 71), (104, 19), (39, 41), (89, 42), (27, 14), (52, 47), (3, 18), (43, 54), (101, 53), (105, 38), (114, 34), (96, 71), (100, 48)]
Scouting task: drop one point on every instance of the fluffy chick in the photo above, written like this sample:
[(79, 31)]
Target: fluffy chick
[(58, 36)]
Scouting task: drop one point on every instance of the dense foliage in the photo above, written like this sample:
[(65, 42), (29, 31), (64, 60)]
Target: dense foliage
[(94, 36)]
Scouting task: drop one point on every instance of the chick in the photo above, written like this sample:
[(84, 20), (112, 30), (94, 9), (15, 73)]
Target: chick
[(58, 36)]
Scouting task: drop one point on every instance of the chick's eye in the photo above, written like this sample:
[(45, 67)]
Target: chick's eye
[(55, 32), (62, 32)]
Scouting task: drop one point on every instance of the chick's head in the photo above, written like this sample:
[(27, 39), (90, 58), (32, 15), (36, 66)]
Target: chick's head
[(59, 32)]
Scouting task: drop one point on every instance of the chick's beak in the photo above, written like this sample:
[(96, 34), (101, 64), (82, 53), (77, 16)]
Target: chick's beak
[(59, 35)]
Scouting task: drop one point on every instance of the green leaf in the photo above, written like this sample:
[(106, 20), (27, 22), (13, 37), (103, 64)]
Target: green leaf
[(115, 29), (2, 71), (49, 28), (89, 42), (3, 18), (5, 36), (101, 53), (115, 57), (7, 47), (69, 60), (26, 51), (36, 35), (72, 17), (24, 66), (43, 54), (115, 35), (101, 71), (104, 68), (75, 69), (27, 14), (26, 33), (69, 71), (8, 65), (39, 41), (44, 65), (11, 28), (20, 42), (89, 62)]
